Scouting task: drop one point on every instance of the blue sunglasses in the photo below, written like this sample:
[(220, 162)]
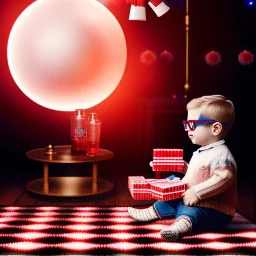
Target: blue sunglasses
[(190, 125)]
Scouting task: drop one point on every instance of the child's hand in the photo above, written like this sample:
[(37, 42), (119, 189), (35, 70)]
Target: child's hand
[(190, 198)]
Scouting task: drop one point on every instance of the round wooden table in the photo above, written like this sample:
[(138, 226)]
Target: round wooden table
[(68, 186)]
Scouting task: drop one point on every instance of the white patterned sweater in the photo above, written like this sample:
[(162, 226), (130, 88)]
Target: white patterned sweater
[(212, 173)]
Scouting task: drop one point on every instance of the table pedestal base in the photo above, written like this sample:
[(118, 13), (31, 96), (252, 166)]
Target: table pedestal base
[(69, 187)]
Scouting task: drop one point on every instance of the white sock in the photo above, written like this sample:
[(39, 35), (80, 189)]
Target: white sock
[(147, 214), (177, 230)]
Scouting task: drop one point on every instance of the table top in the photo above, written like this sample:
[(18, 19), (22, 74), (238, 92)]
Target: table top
[(64, 155)]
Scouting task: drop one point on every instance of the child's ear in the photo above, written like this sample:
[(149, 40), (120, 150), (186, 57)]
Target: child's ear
[(216, 128)]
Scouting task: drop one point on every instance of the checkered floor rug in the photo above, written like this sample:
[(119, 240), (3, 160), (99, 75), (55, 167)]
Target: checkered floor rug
[(97, 230)]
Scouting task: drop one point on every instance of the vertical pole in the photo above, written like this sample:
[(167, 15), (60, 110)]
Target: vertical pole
[(187, 45), (94, 177), (46, 178)]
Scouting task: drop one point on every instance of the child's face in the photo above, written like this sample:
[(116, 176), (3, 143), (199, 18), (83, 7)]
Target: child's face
[(202, 135)]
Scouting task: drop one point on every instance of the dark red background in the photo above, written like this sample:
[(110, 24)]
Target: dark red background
[(226, 26)]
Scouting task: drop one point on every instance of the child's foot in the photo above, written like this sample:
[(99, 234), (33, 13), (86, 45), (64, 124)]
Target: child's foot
[(177, 230), (147, 214)]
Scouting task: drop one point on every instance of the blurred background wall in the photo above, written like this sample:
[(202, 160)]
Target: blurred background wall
[(147, 108)]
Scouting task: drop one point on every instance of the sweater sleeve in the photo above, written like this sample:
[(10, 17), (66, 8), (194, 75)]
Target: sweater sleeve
[(223, 175)]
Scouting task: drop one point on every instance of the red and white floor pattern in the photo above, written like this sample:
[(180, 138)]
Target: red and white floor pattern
[(94, 230)]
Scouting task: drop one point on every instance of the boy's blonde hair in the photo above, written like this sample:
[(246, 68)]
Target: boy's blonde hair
[(215, 107)]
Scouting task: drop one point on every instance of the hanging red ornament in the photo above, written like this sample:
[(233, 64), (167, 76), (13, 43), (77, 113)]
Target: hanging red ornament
[(245, 57), (213, 58), (148, 57), (166, 56)]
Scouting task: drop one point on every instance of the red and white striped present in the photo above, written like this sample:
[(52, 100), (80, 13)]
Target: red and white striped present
[(158, 189), (139, 188), (168, 165), (168, 159), (167, 153), (166, 189)]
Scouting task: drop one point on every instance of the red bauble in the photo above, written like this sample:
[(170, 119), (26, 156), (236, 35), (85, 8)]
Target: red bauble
[(148, 57), (166, 56), (245, 58), (213, 58)]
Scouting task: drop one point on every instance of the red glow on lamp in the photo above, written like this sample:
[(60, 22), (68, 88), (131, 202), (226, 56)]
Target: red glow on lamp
[(61, 55)]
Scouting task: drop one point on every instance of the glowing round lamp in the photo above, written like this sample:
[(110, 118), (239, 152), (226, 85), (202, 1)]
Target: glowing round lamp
[(67, 54)]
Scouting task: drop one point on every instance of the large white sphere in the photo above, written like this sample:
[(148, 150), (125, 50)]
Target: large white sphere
[(67, 54)]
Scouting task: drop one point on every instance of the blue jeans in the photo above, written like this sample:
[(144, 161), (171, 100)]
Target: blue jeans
[(203, 219)]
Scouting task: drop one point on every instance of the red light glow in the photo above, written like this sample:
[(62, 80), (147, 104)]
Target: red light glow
[(25, 246), (7, 219), (12, 208), (91, 220), (48, 208), (37, 226), (63, 228), (9, 214), (215, 236), (63, 54), (77, 246), (115, 209), (46, 214), (124, 246), (88, 214), (30, 235)]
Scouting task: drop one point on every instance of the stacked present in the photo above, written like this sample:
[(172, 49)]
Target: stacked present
[(168, 160), (155, 189), (139, 188)]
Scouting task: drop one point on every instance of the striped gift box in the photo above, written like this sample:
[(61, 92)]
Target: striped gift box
[(158, 189), (166, 190), (167, 153), (139, 188), (168, 159), (168, 165)]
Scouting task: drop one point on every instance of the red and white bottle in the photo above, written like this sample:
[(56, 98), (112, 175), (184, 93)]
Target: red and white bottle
[(93, 135), (78, 131)]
